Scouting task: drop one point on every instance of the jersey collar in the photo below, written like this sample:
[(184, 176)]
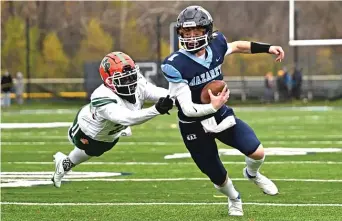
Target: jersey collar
[(204, 62)]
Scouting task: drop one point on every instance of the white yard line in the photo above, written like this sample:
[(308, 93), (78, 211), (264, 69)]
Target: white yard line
[(256, 108), (12, 178), (42, 111), (37, 143), (34, 125), (180, 163), (170, 204), (38, 135)]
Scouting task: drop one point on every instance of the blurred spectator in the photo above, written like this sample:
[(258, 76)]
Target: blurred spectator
[(288, 83), (6, 87), (269, 86), (281, 88), (297, 78), (19, 88)]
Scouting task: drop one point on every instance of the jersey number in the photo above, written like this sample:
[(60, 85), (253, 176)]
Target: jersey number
[(172, 57)]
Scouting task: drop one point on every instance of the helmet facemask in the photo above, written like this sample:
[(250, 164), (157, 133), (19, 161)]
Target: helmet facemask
[(125, 83), (193, 44)]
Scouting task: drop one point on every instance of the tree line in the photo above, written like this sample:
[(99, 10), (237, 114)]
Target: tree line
[(64, 35)]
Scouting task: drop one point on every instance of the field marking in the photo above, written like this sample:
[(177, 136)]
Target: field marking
[(37, 143), (40, 178), (28, 179), (171, 204), (274, 151), (34, 125), (157, 143), (255, 108), (37, 135), (179, 163), (42, 111)]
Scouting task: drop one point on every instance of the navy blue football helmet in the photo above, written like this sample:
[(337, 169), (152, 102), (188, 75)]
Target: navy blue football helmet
[(195, 17)]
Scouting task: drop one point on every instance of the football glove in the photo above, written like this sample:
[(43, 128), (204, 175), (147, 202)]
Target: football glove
[(164, 104)]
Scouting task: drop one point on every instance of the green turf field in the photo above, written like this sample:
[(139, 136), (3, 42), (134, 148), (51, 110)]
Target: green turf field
[(137, 183)]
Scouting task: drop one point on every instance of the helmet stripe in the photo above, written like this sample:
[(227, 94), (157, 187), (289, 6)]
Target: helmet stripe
[(121, 57)]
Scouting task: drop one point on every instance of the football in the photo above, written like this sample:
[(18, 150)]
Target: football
[(215, 86)]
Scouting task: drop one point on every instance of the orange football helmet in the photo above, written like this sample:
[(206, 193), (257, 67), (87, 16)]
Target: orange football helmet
[(119, 73)]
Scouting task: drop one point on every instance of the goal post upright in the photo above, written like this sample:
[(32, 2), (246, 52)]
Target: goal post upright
[(310, 42), (294, 42)]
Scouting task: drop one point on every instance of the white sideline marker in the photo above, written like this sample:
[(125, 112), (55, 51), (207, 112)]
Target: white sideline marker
[(169, 204)]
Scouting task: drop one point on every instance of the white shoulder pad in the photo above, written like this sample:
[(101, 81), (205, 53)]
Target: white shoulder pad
[(102, 93), (141, 86)]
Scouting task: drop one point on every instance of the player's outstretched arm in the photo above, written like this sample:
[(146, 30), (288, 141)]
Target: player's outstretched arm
[(256, 47), (127, 117), (151, 91), (164, 104)]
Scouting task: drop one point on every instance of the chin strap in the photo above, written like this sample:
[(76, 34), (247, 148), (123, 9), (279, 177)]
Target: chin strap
[(194, 52)]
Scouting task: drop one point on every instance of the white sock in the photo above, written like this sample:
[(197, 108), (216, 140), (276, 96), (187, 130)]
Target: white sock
[(78, 156), (228, 189), (253, 165)]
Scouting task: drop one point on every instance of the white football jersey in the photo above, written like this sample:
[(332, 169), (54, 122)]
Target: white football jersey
[(107, 115)]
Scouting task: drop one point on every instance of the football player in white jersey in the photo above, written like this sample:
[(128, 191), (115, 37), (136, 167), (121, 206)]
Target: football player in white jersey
[(114, 107)]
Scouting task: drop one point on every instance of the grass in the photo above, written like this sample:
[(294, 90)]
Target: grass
[(310, 186)]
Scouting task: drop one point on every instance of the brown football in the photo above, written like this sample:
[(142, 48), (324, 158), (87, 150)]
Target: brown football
[(216, 87)]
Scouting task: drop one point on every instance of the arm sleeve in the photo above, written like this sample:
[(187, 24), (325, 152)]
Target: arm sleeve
[(152, 92), (126, 117), (182, 93)]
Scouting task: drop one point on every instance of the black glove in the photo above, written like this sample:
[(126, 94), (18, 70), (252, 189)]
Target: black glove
[(164, 104)]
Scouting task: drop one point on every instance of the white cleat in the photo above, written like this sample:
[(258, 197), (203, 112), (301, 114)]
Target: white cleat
[(235, 207), (59, 170), (267, 186)]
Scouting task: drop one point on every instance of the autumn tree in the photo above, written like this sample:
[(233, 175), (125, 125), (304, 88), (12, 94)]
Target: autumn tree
[(96, 44), (55, 61), (13, 53), (135, 43), (13, 48)]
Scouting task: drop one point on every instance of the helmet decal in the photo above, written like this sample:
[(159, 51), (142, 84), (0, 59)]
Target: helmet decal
[(105, 64)]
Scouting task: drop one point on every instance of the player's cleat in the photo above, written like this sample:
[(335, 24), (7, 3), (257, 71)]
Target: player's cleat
[(267, 186), (59, 170), (235, 207)]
